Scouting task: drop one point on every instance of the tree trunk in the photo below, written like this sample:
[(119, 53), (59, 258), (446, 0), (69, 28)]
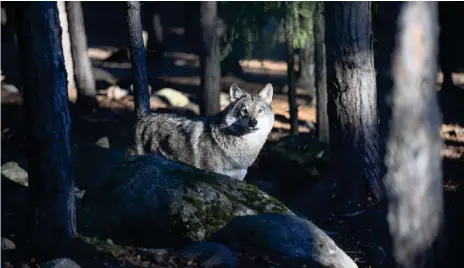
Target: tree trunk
[(385, 34), (9, 47), (151, 15), (51, 157), (210, 67), (306, 66), (138, 59), (414, 173), (352, 108), (85, 81), (291, 72), (66, 41), (320, 74)]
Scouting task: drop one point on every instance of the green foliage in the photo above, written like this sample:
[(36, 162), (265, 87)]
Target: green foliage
[(247, 19)]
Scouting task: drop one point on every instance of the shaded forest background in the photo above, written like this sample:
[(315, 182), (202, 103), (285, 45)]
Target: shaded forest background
[(177, 67)]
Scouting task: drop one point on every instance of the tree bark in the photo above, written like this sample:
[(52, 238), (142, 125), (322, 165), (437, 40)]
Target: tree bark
[(210, 67), (291, 72), (320, 74), (52, 216), (305, 66), (85, 81), (138, 59), (66, 42), (414, 173), (352, 108)]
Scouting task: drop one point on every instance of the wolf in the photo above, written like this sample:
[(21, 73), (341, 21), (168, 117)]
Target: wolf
[(226, 143)]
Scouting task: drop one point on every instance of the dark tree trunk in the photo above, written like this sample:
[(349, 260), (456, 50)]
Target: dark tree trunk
[(352, 108), (138, 59), (231, 64), (51, 157), (414, 173), (152, 14), (85, 81), (291, 73), (9, 47), (210, 67), (320, 74), (305, 66), (447, 44), (385, 35)]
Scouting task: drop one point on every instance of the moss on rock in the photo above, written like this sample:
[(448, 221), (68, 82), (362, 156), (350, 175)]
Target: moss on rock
[(168, 201)]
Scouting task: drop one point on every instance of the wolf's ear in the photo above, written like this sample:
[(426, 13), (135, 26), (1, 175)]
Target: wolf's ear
[(236, 92), (266, 93)]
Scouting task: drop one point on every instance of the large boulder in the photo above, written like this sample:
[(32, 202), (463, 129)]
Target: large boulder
[(296, 239), (154, 202), (209, 255)]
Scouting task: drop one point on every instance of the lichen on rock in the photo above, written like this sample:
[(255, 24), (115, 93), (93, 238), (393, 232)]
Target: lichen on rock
[(156, 201)]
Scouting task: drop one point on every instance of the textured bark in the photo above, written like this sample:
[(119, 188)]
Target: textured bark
[(210, 67), (66, 42), (51, 183), (138, 59), (414, 173), (291, 73), (320, 74), (352, 108), (85, 81)]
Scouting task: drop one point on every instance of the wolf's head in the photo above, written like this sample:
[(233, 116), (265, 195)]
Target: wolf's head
[(250, 113)]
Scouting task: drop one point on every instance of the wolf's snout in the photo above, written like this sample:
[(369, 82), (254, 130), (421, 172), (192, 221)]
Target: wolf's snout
[(253, 122)]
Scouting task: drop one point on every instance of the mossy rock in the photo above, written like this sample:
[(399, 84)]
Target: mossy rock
[(154, 202)]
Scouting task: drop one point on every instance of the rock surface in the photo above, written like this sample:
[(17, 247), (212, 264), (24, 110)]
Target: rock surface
[(209, 255), (284, 235), (155, 202), (173, 97), (14, 172), (61, 263)]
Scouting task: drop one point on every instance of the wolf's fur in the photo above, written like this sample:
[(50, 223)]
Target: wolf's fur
[(225, 143)]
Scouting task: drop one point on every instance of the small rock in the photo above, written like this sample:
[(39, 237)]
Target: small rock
[(60, 263), (209, 255), (173, 97), (9, 88), (116, 93), (12, 171), (103, 142), (224, 99), (7, 244)]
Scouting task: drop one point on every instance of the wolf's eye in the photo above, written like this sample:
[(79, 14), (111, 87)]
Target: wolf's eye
[(260, 110), (244, 111)]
